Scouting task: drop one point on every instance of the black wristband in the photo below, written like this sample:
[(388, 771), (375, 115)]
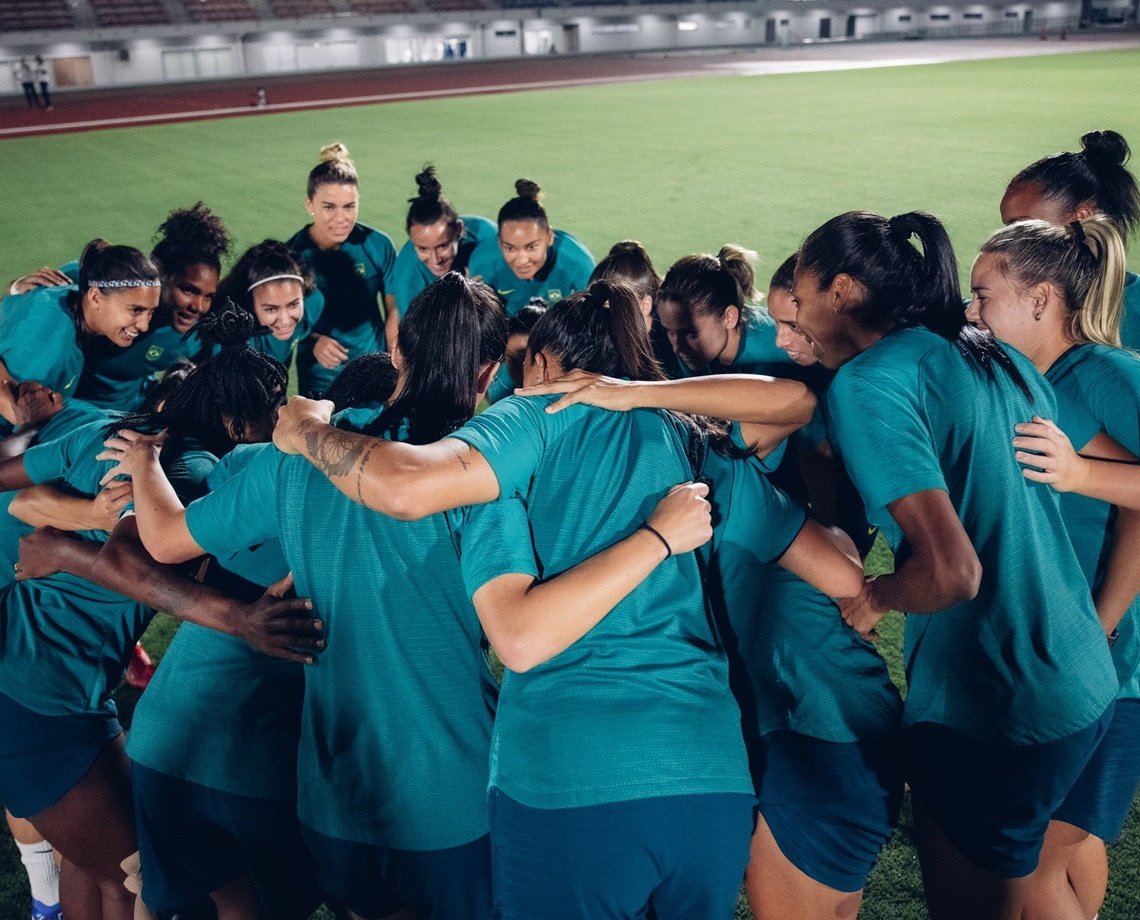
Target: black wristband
[(657, 534)]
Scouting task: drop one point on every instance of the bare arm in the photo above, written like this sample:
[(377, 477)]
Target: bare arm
[(942, 570), (826, 558), (528, 622), (391, 321), (12, 474), (1103, 469), (405, 481), (284, 628), (1121, 581), (49, 506)]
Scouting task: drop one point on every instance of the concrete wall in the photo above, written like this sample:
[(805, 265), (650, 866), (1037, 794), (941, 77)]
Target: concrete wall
[(156, 54)]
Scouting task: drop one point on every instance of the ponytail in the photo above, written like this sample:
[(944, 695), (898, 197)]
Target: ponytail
[(430, 207), (525, 206), (709, 285), (334, 168)]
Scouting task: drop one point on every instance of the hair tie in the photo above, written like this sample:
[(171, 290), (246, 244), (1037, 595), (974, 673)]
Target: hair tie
[(1079, 231), (126, 283), (1081, 239), (285, 277)]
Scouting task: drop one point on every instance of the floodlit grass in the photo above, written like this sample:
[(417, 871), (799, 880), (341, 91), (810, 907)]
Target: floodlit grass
[(682, 165)]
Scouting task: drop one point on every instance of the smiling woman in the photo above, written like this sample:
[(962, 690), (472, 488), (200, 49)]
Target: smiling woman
[(114, 302)]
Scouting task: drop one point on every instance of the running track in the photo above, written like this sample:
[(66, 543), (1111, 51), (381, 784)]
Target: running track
[(130, 106)]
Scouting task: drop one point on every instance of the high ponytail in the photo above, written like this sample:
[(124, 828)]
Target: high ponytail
[(429, 206), (453, 328), (709, 285), (525, 206), (601, 330), (335, 168)]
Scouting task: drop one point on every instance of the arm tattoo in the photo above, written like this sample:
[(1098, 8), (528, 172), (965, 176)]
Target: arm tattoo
[(360, 473), (335, 452)]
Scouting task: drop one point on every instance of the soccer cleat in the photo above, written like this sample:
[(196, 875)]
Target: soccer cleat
[(41, 911), (141, 669)]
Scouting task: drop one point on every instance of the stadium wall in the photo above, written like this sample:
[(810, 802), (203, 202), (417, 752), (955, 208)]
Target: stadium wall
[(146, 55)]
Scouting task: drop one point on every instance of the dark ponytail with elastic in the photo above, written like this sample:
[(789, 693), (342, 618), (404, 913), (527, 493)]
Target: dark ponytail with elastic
[(238, 384), (525, 206), (430, 207), (900, 285), (453, 329)]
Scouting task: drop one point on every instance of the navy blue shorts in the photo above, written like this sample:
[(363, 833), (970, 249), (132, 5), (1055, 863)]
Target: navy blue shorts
[(375, 881), (830, 806), (42, 758), (194, 840), (1101, 797), (994, 802), (680, 856)]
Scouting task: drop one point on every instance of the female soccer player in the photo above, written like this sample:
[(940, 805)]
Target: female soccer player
[(703, 306), (1064, 187), (47, 334), (270, 282), (439, 241), (1053, 292), (352, 265), (66, 641), (1010, 681), (529, 258)]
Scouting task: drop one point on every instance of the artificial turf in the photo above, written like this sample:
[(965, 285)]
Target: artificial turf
[(682, 165)]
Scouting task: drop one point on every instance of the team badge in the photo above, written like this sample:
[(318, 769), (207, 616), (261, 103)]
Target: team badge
[(153, 353), (554, 295), (359, 269)]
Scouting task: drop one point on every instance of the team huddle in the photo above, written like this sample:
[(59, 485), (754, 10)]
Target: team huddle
[(546, 598)]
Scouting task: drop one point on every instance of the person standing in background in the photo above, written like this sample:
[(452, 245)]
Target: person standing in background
[(24, 76), (43, 78)]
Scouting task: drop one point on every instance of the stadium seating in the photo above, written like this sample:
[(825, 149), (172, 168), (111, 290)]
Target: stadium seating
[(18, 15), (294, 9), (365, 7), (129, 12), (219, 10)]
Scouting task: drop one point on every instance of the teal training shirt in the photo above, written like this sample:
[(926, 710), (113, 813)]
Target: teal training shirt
[(567, 269), (218, 712), (76, 632), (411, 276), (1106, 383), (353, 277), (117, 378), (396, 727), (640, 705), (39, 340), (1025, 661), (1130, 320), (807, 670)]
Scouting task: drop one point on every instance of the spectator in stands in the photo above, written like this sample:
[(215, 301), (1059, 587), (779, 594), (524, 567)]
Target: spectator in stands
[(352, 265), (1064, 187), (529, 258)]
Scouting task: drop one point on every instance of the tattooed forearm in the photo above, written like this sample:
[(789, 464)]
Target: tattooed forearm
[(334, 452), (360, 473)]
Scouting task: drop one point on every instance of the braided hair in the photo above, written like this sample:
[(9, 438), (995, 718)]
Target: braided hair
[(366, 380), (226, 395), (190, 236)]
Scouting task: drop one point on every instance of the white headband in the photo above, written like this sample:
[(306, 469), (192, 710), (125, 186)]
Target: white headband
[(129, 283), (296, 278)]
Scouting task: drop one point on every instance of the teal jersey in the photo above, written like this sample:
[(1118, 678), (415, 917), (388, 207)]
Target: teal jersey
[(283, 349), (639, 706), (39, 339), (396, 725), (758, 352), (77, 632), (1106, 382), (74, 414), (353, 278), (1130, 320), (567, 269), (806, 670), (411, 276), (217, 712), (1025, 661), (118, 378)]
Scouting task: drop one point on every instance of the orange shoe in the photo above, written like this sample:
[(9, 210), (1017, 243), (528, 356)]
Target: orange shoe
[(140, 669)]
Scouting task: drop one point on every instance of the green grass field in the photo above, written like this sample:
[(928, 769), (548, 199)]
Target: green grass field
[(682, 165)]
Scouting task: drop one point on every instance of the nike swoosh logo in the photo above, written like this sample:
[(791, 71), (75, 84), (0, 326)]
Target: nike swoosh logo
[(505, 293)]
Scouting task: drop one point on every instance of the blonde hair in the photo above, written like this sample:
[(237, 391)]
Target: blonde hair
[(335, 168), (1083, 260)]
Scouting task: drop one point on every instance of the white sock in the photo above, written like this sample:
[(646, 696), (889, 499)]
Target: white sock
[(43, 873)]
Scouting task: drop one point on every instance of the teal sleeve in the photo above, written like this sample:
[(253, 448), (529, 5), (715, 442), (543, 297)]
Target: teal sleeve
[(485, 260), (492, 540), (51, 460), (510, 436), (886, 445), (189, 472), (784, 519), (314, 307), (37, 339), (407, 277), (241, 512), (382, 251), (71, 269), (1113, 396), (1075, 420)]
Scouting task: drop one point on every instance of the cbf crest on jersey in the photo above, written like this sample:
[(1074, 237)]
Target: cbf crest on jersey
[(359, 269), (554, 295), (154, 352)]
